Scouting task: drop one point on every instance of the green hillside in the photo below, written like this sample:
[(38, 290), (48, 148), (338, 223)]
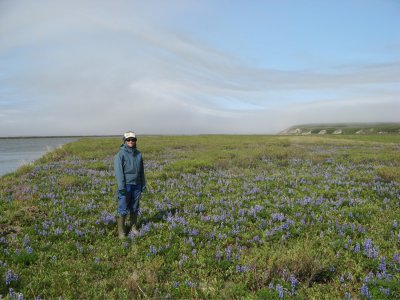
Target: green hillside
[(343, 128)]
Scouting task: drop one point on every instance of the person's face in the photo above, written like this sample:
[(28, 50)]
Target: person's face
[(131, 142)]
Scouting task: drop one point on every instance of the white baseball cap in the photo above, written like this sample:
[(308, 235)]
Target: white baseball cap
[(129, 134)]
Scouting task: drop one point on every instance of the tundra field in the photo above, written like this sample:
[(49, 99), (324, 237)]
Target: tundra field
[(225, 217)]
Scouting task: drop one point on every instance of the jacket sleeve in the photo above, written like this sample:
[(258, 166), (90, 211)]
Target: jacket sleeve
[(119, 171), (142, 177)]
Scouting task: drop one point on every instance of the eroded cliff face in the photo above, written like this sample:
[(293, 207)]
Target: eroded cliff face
[(356, 128)]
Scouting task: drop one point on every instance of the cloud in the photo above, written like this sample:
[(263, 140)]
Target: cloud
[(78, 68)]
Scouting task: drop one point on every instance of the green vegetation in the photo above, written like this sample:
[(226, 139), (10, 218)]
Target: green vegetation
[(231, 217)]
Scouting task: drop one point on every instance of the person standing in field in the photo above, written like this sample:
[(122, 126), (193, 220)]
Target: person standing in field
[(129, 172)]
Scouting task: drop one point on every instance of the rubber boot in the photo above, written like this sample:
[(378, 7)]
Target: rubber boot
[(133, 223), (121, 226)]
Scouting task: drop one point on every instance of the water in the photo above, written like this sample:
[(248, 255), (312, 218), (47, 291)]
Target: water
[(16, 152)]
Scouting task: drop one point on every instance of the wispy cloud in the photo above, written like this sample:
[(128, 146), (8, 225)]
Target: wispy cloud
[(82, 68)]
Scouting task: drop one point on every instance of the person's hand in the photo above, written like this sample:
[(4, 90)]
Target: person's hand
[(122, 192)]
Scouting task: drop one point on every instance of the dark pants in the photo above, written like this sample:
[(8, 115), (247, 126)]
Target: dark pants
[(130, 201)]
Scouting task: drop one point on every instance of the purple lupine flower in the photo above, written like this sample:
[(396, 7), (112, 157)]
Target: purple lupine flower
[(277, 217), (182, 260), (218, 255), (235, 230), (374, 253), (369, 277), (228, 253), (189, 283), (199, 208), (194, 232), (382, 265), (262, 225), (145, 229), (365, 291), (269, 233), (190, 241), (152, 250), (285, 274), (380, 275), (361, 229), (271, 285), (205, 218), (259, 178), (347, 296), (106, 218), (11, 293), (29, 250), (58, 231), (347, 243), (253, 191), (293, 283), (279, 288), (367, 246), (10, 277), (79, 233), (385, 291), (241, 269), (349, 276)]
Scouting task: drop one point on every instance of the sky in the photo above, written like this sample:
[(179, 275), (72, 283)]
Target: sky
[(195, 66)]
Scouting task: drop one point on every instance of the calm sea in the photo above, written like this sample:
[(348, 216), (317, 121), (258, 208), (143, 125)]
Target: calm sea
[(15, 152)]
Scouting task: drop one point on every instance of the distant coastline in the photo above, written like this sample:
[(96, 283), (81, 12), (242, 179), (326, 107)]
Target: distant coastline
[(343, 128)]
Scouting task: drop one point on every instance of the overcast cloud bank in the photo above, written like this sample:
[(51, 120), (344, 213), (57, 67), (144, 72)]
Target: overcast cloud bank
[(78, 69)]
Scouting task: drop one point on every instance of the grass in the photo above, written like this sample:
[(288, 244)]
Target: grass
[(231, 217)]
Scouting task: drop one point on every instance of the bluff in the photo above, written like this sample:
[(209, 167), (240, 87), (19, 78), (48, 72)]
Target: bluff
[(343, 128)]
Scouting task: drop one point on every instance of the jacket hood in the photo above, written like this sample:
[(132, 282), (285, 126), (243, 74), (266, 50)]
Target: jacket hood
[(124, 147)]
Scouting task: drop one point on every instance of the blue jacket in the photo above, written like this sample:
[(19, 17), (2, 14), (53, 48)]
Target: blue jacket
[(128, 167)]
